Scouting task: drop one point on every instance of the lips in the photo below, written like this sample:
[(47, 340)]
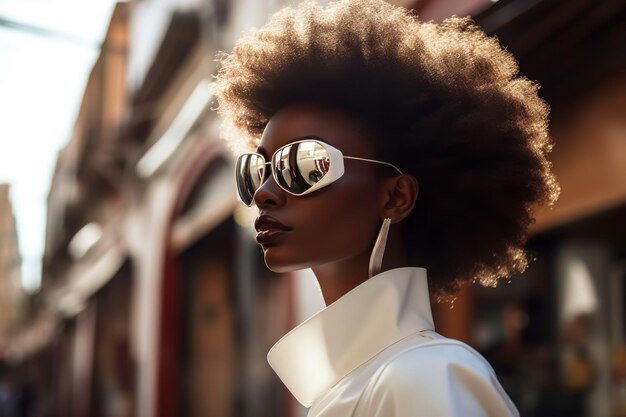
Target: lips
[(269, 229)]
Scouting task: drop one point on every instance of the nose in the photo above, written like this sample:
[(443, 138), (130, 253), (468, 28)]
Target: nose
[(269, 194)]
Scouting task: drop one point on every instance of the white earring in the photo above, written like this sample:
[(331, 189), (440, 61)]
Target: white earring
[(376, 258)]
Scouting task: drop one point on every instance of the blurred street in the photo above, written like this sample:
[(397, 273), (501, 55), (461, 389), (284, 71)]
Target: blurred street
[(153, 299)]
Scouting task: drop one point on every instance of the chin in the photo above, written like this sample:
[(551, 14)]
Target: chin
[(276, 263), (281, 269)]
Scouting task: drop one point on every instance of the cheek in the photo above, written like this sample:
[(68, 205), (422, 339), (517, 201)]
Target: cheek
[(329, 225), (345, 225)]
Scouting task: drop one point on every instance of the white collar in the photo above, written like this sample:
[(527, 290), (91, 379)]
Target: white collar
[(314, 356)]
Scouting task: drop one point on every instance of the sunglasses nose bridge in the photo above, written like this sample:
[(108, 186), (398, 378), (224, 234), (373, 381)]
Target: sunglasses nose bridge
[(269, 190)]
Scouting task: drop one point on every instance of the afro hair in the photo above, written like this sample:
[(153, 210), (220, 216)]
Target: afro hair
[(446, 103)]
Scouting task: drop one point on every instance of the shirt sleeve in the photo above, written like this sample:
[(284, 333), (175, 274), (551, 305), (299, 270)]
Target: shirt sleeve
[(437, 381)]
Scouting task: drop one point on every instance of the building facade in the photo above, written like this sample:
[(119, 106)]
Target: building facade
[(12, 295)]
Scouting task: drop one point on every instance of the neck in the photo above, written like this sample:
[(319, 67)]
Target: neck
[(339, 277)]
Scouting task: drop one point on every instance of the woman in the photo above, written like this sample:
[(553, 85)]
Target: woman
[(370, 133)]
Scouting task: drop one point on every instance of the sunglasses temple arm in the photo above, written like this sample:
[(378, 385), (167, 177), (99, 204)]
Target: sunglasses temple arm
[(372, 160)]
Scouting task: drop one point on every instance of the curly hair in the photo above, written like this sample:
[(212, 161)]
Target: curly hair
[(447, 105)]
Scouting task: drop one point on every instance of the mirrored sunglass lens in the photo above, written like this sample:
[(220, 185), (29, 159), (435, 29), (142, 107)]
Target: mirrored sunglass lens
[(250, 171), (300, 166)]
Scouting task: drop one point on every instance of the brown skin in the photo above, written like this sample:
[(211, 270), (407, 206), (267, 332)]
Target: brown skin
[(334, 228)]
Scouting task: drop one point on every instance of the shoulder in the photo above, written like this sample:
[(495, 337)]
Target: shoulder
[(442, 377), (431, 358), (440, 365)]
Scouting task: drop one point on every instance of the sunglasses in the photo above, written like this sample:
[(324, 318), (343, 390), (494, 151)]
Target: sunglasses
[(299, 168)]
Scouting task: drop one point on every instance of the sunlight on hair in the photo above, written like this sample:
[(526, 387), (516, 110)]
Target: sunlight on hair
[(237, 140)]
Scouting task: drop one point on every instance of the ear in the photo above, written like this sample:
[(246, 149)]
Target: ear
[(400, 194)]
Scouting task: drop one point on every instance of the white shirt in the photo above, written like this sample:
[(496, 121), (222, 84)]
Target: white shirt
[(374, 353)]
